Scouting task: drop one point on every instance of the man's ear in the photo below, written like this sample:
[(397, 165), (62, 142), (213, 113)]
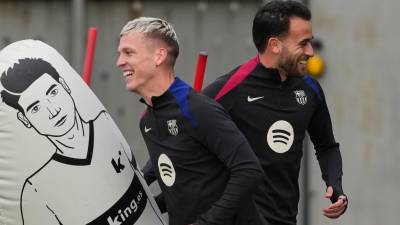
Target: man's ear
[(64, 84), (274, 45), (24, 120), (160, 56)]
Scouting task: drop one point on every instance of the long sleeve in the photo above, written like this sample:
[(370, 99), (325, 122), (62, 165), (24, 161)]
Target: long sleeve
[(327, 149), (222, 137), (150, 177), (149, 173)]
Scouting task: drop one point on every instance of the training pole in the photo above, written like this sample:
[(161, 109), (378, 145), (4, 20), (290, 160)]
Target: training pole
[(90, 46), (200, 70)]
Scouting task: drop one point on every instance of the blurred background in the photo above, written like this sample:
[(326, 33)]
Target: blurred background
[(356, 39)]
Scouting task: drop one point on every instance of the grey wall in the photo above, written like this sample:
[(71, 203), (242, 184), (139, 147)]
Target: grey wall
[(362, 88), (361, 85), (45, 20)]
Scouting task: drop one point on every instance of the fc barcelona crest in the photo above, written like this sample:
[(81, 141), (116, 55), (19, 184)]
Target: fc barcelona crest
[(301, 97), (172, 127)]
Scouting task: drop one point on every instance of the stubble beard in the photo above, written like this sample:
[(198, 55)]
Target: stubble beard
[(290, 65)]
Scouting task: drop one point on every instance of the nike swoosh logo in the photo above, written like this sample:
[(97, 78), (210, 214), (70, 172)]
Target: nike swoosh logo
[(250, 99), (147, 129)]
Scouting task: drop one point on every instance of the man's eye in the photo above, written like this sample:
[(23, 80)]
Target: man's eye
[(54, 92), (35, 109), (305, 43), (129, 53)]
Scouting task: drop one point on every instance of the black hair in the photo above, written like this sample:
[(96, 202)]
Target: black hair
[(19, 77), (273, 20)]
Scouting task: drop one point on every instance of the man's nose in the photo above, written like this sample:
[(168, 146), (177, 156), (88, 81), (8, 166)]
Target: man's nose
[(54, 111), (309, 51), (120, 61)]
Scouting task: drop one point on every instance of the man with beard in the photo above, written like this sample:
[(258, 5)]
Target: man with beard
[(273, 103)]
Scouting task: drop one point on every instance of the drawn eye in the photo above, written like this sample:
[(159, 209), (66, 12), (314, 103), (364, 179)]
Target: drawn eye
[(54, 92), (35, 109)]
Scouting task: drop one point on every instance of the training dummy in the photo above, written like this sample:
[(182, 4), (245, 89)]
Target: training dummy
[(62, 158)]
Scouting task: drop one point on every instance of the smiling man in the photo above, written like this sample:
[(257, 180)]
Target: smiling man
[(274, 104), (90, 178), (204, 165)]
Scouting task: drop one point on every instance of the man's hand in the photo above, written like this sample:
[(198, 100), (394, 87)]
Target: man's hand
[(335, 209)]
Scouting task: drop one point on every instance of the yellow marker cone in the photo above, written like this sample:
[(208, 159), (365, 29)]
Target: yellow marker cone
[(315, 66)]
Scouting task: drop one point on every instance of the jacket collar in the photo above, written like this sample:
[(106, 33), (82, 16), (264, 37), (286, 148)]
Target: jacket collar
[(264, 73), (176, 88)]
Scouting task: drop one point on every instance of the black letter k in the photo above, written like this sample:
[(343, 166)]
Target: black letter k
[(118, 166)]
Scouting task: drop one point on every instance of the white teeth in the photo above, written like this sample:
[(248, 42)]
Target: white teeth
[(128, 73)]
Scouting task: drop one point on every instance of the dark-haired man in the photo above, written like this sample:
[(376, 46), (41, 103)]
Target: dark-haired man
[(273, 103)]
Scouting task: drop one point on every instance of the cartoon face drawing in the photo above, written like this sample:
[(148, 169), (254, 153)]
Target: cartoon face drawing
[(48, 106), (56, 190)]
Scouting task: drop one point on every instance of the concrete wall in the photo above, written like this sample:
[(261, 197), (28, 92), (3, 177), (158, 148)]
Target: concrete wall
[(361, 85)]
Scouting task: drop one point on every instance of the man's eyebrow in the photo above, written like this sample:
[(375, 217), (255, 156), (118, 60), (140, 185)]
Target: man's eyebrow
[(126, 48), (50, 88), (307, 39), (31, 105)]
